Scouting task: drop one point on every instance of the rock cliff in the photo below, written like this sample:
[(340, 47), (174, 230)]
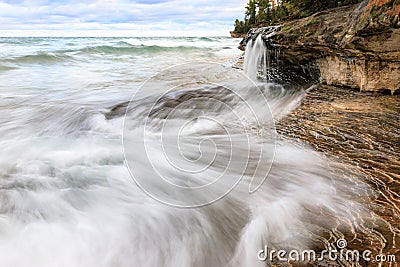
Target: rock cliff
[(355, 46)]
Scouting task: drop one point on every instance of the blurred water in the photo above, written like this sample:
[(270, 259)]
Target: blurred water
[(68, 199)]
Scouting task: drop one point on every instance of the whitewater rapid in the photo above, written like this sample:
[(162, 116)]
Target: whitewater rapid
[(78, 185)]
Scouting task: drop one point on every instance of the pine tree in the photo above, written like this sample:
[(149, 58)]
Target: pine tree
[(251, 11)]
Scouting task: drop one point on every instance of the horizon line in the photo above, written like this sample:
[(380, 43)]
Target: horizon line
[(110, 33)]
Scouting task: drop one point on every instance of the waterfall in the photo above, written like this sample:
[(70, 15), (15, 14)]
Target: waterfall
[(261, 55)]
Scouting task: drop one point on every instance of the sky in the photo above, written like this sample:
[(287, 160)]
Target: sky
[(119, 17)]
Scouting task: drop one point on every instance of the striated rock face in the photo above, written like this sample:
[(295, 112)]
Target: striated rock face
[(355, 46), (367, 75)]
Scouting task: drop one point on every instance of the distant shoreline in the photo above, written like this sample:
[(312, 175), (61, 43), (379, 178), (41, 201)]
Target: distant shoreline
[(237, 35)]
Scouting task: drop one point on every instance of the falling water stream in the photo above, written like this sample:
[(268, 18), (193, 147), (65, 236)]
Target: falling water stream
[(261, 60)]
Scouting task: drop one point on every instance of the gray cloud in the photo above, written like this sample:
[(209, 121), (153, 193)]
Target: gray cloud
[(111, 14)]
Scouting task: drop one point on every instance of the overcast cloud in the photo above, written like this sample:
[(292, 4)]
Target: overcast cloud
[(118, 17)]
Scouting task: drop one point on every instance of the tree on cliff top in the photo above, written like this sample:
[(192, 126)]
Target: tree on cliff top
[(251, 10), (269, 12)]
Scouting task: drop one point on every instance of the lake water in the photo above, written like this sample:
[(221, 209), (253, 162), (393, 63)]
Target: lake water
[(190, 173)]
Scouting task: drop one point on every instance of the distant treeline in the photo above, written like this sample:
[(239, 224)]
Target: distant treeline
[(269, 12)]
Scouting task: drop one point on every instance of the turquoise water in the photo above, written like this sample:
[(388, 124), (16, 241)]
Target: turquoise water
[(32, 66)]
